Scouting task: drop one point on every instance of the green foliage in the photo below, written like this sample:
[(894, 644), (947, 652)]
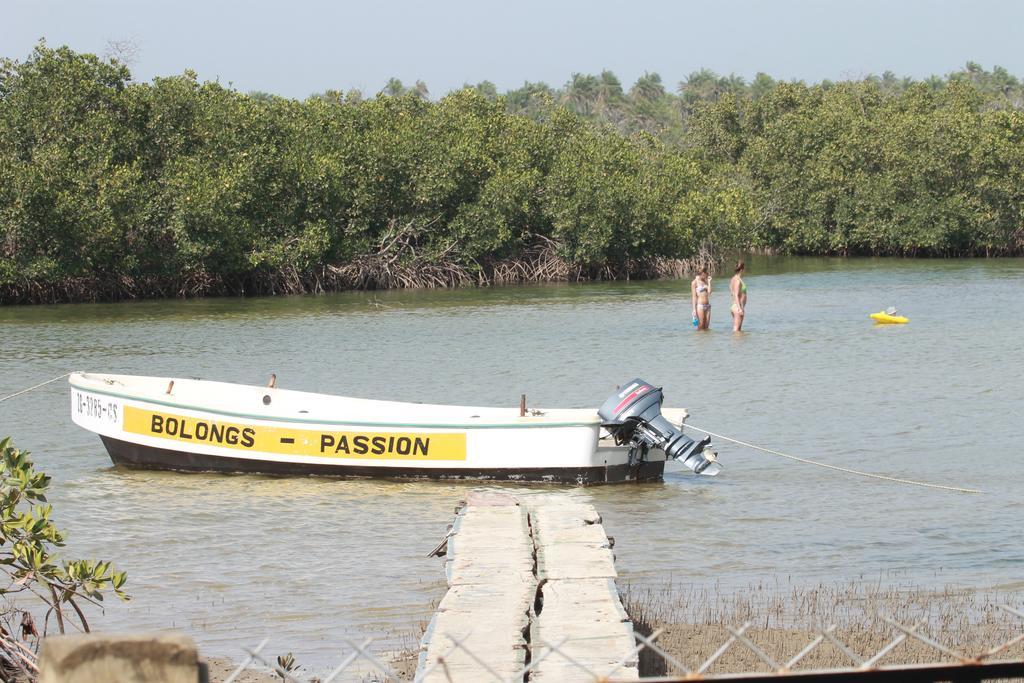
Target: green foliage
[(883, 165), (111, 181), (28, 544), (113, 188), (851, 169)]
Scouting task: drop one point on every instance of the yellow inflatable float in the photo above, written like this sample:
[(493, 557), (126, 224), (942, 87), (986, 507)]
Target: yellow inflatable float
[(889, 317)]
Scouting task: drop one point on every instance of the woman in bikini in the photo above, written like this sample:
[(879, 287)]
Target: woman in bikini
[(738, 290), (700, 296)]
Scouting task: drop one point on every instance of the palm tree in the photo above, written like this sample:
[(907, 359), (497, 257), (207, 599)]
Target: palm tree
[(529, 98), (703, 85), (609, 89), (1003, 80), (487, 89), (762, 85), (581, 93), (394, 88), (890, 83), (734, 84), (648, 88)]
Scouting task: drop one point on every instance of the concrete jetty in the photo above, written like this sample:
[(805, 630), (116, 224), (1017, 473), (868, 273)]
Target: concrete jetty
[(531, 582)]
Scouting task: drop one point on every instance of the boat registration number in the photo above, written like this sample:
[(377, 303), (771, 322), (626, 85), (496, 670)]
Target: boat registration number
[(297, 442), (93, 409)]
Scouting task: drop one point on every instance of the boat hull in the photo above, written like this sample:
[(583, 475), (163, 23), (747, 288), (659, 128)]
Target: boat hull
[(137, 456), (886, 319)]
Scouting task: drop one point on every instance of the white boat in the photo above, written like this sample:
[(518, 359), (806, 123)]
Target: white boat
[(197, 425)]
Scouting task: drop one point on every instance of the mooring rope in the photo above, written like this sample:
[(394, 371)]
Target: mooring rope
[(41, 384), (847, 470)]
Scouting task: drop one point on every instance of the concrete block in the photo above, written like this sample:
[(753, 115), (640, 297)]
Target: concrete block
[(575, 561), (509, 570), (499, 642), (591, 534), (563, 516), (482, 498), (487, 598), (596, 597), (567, 672), (125, 658)]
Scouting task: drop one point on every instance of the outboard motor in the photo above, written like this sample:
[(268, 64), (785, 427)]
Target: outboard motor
[(633, 416)]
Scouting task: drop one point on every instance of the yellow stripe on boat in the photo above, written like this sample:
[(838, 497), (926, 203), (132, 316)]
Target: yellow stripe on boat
[(885, 318), (298, 442)]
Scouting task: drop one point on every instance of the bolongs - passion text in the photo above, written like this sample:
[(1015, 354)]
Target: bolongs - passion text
[(246, 437)]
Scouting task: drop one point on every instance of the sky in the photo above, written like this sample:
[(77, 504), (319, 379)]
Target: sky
[(302, 47)]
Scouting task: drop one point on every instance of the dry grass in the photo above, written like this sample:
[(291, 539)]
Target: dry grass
[(784, 618)]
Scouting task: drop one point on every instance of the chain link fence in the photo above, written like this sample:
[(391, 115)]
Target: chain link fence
[(949, 665)]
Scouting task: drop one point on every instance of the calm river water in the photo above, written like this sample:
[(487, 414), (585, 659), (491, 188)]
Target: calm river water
[(232, 559)]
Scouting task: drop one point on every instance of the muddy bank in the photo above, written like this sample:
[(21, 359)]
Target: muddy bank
[(693, 623), (694, 644), (222, 667), (403, 664)]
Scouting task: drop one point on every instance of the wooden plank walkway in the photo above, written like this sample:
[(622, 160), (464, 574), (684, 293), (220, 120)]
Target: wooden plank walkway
[(524, 573)]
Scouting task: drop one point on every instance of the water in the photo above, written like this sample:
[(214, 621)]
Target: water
[(231, 559)]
